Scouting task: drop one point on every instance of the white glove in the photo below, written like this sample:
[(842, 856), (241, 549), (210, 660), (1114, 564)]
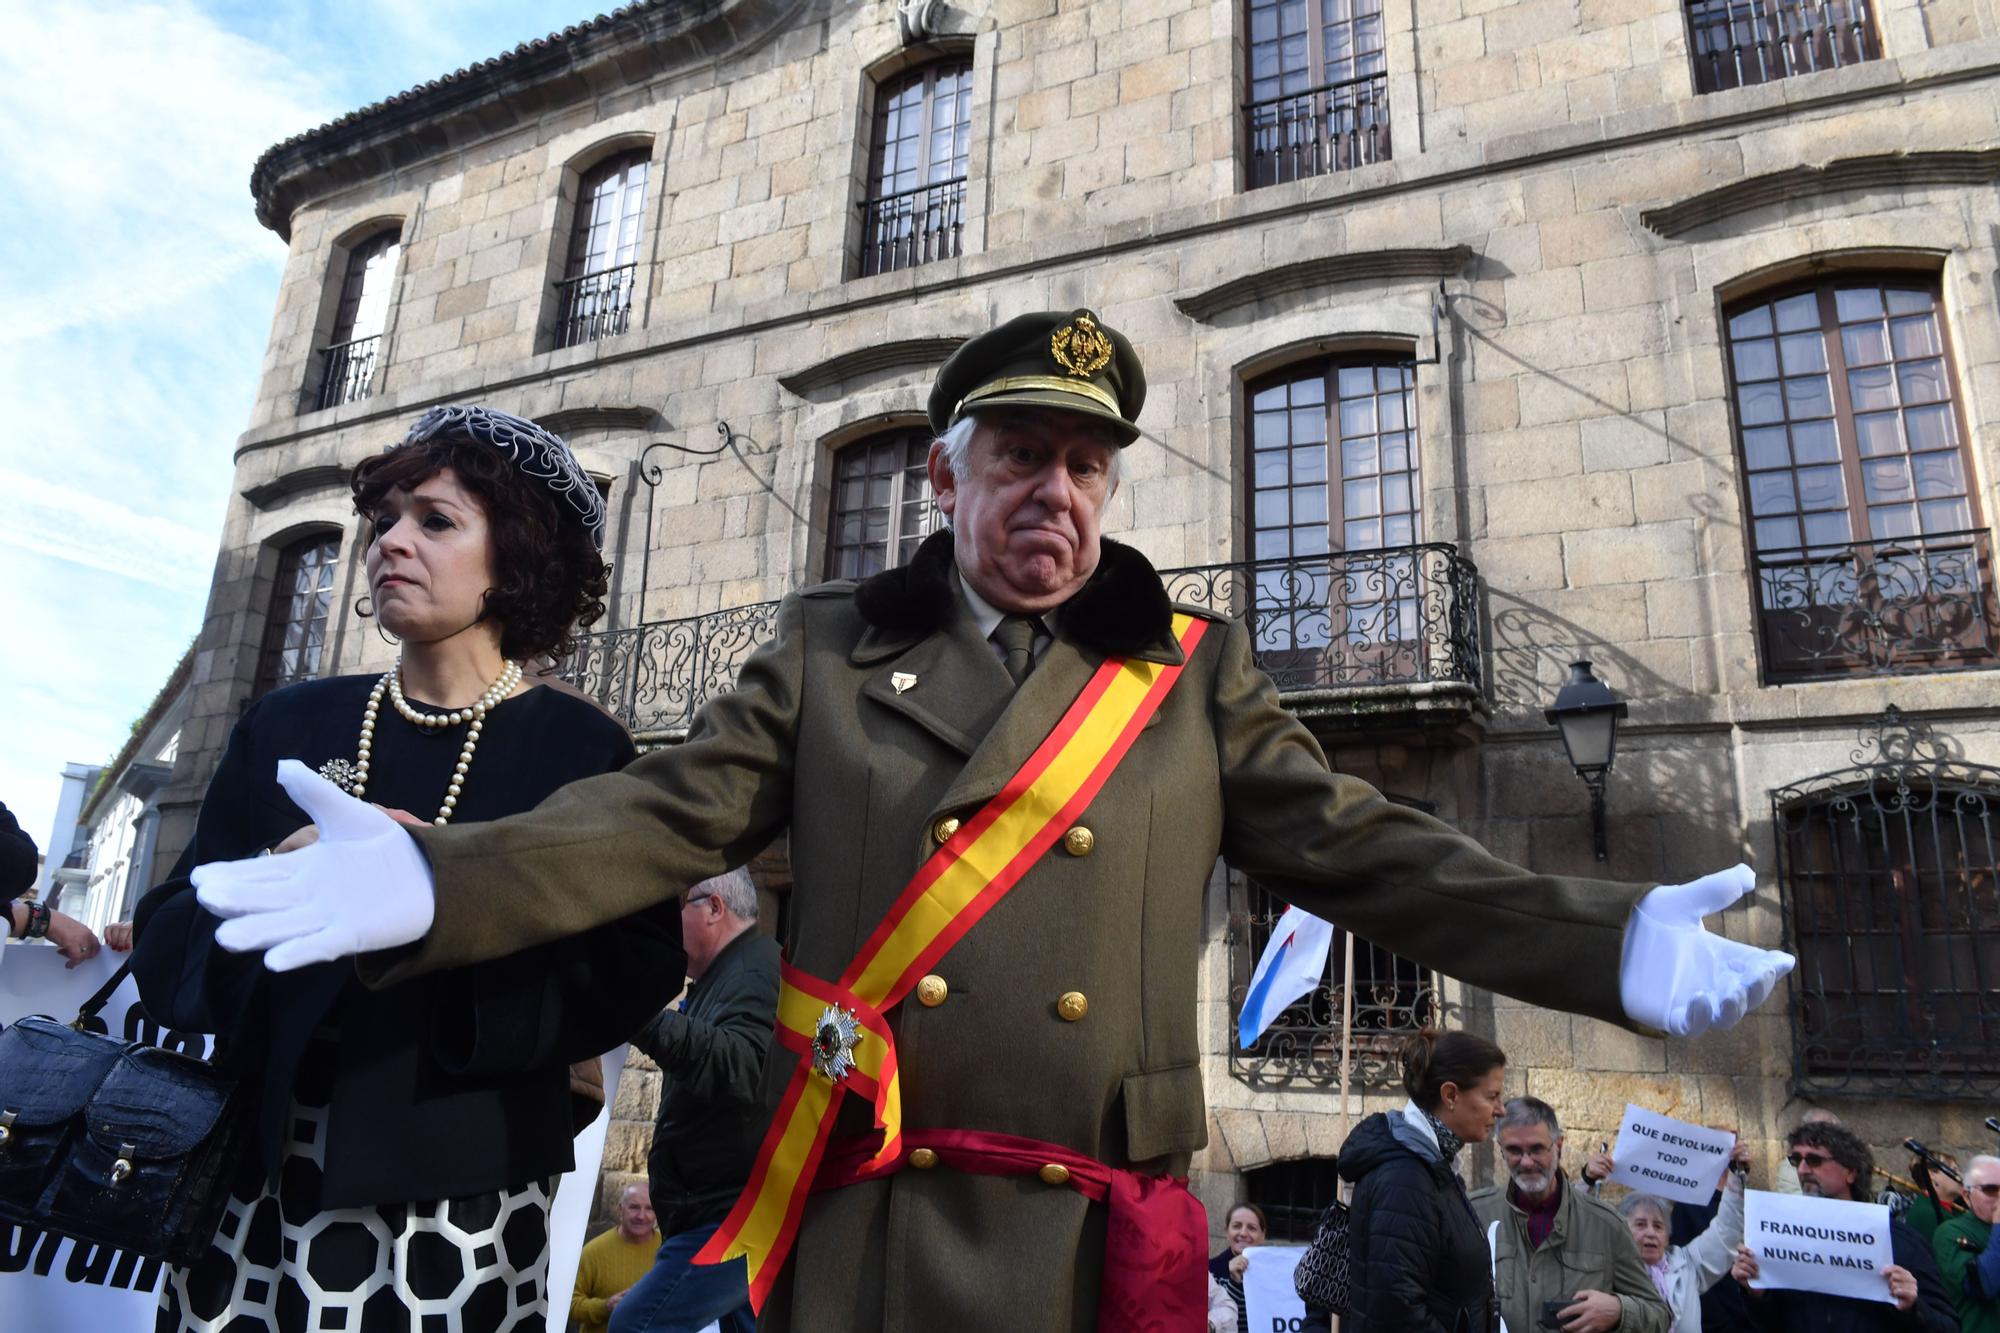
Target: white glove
[(363, 885), (1677, 977)]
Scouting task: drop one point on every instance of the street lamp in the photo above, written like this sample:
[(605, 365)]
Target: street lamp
[(1586, 712)]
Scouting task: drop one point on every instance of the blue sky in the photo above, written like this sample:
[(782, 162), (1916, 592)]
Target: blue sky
[(136, 293)]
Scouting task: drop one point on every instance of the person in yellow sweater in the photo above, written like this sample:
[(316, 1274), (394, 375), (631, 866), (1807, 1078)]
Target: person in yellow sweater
[(612, 1262)]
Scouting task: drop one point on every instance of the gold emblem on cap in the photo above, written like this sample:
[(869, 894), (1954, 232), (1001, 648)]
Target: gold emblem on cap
[(1080, 347)]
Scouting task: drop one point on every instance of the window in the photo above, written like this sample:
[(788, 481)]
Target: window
[(1319, 88), (882, 508), (1735, 43), (1891, 892), (915, 208), (301, 597), (347, 362), (1866, 542), (1293, 1195), (601, 276), (1333, 469)]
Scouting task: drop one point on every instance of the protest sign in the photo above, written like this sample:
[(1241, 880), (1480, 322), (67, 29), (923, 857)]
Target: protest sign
[(51, 1282), (1828, 1245), (1671, 1158), (1270, 1303)]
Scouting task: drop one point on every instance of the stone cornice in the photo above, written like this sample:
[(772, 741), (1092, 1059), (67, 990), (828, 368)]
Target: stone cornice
[(569, 420), (1361, 266), (269, 494), (882, 356), (1887, 171), (634, 45)]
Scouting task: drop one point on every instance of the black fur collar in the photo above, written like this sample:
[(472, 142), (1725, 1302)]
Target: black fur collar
[(1122, 611)]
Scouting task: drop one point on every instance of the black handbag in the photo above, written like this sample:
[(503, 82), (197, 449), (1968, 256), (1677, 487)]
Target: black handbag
[(115, 1142), (1321, 1277)]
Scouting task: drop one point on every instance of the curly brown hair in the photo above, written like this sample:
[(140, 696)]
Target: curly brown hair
[(549, 580)]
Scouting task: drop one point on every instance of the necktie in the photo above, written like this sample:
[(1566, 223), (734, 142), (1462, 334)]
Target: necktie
[(1016, 637)]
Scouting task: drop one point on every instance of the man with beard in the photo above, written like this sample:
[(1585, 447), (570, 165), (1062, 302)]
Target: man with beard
[(1835, 1164), (1562, 1260)]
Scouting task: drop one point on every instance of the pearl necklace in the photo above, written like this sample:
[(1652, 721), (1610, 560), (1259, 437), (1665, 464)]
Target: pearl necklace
[(392, 684)]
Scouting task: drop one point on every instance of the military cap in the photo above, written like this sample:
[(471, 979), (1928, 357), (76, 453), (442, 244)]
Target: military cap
[(1067, 360)]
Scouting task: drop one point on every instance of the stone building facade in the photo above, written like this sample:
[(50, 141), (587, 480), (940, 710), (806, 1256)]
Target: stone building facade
[(1504, 332)]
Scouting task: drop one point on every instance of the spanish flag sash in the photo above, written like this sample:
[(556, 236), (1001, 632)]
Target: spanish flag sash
[(841, 1028)]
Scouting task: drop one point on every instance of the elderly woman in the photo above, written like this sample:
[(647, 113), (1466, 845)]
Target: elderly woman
[(407, 1141), (1681, 1273)]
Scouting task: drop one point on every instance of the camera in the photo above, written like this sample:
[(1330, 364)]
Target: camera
[(1551, 1310)]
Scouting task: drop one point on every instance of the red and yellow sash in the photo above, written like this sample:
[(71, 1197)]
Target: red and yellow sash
[(958, 885)]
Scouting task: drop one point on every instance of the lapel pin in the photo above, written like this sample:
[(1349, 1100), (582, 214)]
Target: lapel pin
[(902, 680)]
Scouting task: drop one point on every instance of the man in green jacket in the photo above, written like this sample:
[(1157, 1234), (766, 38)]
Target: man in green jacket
[(1049, 1057), (1560, 1254), (1968, 1250)]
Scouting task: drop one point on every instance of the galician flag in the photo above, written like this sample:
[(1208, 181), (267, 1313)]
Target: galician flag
[(1293, 963)]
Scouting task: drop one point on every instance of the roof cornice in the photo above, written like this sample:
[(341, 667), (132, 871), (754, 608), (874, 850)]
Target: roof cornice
[(629, 46)]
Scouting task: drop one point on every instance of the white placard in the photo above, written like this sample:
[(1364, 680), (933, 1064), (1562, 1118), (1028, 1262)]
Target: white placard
[(1270, 1302), (50, 1282), (1671, 1158), (1834, 1246)]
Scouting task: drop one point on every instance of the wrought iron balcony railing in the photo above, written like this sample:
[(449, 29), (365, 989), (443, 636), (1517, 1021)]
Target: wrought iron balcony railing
[(347, 372), (1736, 43), (1914, 604), (1320, 131), (1396, 616), (596, 305), (912, 227)]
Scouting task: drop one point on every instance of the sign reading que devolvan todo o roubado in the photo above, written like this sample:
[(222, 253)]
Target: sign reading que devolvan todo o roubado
[(1657, 1154)]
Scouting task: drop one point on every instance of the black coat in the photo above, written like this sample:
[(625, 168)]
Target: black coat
[(19, 862), (1417, 1256), (1779, 1311), (712, 1113), (445, 1086)]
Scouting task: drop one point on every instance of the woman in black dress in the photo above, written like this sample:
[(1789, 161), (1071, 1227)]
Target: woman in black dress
[(408, 1140)]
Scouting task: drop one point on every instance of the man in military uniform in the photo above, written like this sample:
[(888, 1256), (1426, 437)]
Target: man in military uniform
[(1050, 1058)]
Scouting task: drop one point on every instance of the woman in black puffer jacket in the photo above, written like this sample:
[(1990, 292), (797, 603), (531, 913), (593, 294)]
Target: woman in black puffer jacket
[(1418, 1261)]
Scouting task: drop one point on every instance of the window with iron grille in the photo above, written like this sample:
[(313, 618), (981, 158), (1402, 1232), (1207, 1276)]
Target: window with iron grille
[(1333, 469), (1869, 554), (882, 507), (1319, 88), (914, 211), (1737, 43), (600, 279), (301, 599), (1293, 1195), (1890, 875), (348, 362)]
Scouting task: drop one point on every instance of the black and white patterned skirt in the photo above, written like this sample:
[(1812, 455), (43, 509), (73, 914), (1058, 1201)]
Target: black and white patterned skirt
[(281, 1264)]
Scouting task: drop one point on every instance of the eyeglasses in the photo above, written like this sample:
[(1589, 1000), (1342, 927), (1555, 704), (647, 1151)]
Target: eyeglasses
[(1991, 1191), (1815, 1160), (691, 899)]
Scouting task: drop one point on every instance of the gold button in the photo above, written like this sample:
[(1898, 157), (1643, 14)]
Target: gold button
[(1079, 841), (944, 828), (1055, 1173), (1073, 1005), (932, 990), (923, 1158)]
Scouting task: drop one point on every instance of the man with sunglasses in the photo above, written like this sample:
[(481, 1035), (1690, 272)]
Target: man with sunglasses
[(711, 1050), (1968, 1250), (1833, 1163)]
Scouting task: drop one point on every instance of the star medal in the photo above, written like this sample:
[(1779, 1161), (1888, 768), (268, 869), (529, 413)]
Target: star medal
[(833, 1043)]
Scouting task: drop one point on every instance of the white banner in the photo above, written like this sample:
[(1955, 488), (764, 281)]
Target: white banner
[(1808, 1244), (1270, 1302), (1671, 1158), (51, 1284)]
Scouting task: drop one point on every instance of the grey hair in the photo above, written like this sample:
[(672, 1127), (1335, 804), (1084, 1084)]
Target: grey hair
[(735, 890), (1525, 1111), (626, 1193), (1985, 1159), (1632, 1203)]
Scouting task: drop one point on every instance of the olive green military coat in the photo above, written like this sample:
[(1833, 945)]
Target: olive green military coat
[(816, 737)]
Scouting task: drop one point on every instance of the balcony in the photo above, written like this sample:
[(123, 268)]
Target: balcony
[(912, 227), (347, 372), (1737, 43), (1901, 607), (1383, 641), (1320, 131), (596, 305)]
